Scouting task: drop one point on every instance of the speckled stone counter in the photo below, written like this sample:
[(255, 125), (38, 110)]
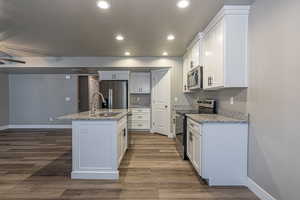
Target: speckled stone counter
[(99, 115), (204, 118)]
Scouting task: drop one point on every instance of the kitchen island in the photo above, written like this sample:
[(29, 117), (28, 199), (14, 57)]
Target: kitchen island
[(99, 142)]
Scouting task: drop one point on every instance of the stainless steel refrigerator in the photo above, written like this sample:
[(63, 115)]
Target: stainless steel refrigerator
[(115, 94)]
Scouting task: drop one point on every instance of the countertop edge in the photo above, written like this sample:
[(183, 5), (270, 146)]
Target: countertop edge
[(226, 120)]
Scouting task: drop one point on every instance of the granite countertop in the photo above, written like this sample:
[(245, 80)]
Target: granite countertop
[(213, 118), (97, 116)]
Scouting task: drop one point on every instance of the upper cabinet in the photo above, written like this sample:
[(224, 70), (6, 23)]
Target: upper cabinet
[(225, 49), (113, 75), (139, 83), (192, 59), (222, 51)]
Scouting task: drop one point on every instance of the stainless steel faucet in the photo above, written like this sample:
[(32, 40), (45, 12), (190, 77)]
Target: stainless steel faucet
[(94, 102)]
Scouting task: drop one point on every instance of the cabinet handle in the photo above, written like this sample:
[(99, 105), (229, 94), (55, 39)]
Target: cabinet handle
[(191, 138), (124, 132), (184, 87), (210, 81)]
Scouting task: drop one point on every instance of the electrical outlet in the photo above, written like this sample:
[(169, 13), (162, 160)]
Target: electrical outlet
[(68, 99), (231, 100), (68, 77), (138, 99), (50, 119), (175, 99)]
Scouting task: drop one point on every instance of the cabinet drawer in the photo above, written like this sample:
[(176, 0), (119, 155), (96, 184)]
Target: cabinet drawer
[(140, 110), (194, 125), (139, 125), (141, 117)]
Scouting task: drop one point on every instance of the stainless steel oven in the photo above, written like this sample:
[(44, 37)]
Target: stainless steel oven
[(195, 78)]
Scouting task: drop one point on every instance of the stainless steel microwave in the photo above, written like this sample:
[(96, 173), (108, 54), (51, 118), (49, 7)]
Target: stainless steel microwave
[(195, 78)]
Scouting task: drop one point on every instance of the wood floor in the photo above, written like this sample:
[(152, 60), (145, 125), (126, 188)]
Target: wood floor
[(36, 165)]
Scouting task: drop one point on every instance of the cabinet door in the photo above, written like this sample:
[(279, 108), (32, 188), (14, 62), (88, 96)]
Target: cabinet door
[(145, 82), (120, 145), (208, 59), (186, 69), (121, 75), (218, 55), (196, 54), (190, 144), (125, 136), (197, 152), (140, 83)]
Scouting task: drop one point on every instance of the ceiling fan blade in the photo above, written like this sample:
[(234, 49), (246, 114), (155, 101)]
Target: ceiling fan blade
[(13, 60)]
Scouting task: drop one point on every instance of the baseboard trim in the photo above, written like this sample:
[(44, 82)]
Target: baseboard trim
[(259, 191), (96, 175), (3, 127), (39, 126)]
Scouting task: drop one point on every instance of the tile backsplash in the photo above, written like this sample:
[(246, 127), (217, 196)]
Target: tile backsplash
[(224, 105), (140, 100)]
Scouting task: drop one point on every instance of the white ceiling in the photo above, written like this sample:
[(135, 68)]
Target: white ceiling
[(80, 28)]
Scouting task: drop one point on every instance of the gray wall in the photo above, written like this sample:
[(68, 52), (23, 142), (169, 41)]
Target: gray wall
[(274, 96), (4, 100), (34, 98)]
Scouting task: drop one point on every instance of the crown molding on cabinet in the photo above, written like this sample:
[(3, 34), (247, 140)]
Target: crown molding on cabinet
[(227, 10)]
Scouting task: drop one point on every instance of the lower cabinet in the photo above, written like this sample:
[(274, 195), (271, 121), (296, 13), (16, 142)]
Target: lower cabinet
[(194, 144), (140, 119), (218, 151), (122, 139)]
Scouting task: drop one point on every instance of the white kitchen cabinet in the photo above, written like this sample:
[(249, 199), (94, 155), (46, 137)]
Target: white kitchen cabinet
[(197, 142), (98, 147), (225, 44), (113, 75), (122, 139), (140, 119), (192, 59), (194, 144), (218, 151), (139, 83), (185, 71), (195, 54)]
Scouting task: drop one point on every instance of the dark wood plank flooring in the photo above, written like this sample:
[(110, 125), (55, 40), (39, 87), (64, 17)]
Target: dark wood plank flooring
[(36, 165)]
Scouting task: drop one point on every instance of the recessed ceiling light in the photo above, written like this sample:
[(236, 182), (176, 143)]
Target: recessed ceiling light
[(127, 53), (171, 37), (120, 37), (183, 3), (165, 53), (103, 4)]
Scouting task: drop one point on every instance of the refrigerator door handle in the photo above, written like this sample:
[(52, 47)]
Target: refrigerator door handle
[(110, 98)]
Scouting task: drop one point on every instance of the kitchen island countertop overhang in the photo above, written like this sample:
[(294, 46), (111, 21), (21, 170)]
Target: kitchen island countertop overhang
[(99, 115)]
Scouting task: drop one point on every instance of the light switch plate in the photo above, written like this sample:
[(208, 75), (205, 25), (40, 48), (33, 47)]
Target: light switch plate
[(231, 100), (68, 99)]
